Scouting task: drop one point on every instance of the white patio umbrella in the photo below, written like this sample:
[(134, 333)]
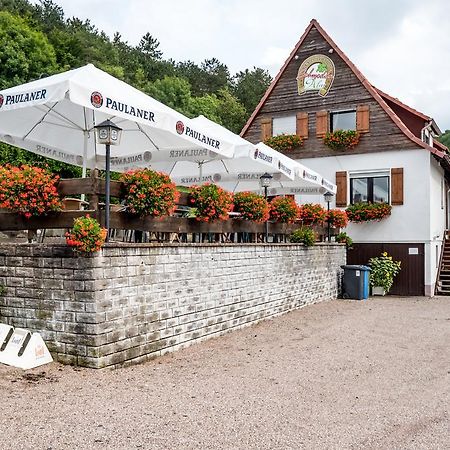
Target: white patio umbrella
[(55, 117), (249, 162)]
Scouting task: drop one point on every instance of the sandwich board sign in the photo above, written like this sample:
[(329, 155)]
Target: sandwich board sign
[(21, 348)]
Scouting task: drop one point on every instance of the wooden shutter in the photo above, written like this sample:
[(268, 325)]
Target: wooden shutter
[(302, 125), (397, 186), (266, 128), (341, 192), (321, 123), (362, 118)]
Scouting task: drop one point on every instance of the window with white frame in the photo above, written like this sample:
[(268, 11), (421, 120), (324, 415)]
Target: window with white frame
[(284, 125), (343, 120), (370, 187)]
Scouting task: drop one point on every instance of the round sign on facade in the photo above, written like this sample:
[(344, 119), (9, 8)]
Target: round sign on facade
[(316, 73)]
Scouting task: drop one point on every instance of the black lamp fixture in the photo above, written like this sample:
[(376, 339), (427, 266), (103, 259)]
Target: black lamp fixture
[(328, 196), (108, 133), (265, 180)]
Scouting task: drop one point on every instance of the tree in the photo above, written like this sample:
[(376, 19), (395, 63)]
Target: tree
[(231, 112), (250, 86), (149, 46), (216, 75), (174, 92), (445, 138), (25, 53)]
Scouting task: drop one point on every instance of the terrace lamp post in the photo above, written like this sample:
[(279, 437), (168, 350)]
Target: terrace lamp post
[(265, 180), (328, 196), (108, 134)]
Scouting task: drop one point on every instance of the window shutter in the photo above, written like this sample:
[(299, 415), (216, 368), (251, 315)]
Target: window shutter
[(341, 192), (266, 128), (397, 186), (302, 125), (321, 123), (362, 118)]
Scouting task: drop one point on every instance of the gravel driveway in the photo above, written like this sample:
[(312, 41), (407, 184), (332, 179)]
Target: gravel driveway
[(337, 375)]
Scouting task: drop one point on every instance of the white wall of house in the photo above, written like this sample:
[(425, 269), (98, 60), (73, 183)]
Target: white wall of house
[(421, 217)]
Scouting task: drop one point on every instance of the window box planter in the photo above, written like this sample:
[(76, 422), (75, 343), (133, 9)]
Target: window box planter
[(341, 139), (284, 142)]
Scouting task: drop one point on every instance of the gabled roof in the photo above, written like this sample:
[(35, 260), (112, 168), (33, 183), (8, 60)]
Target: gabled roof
[(373, 91)]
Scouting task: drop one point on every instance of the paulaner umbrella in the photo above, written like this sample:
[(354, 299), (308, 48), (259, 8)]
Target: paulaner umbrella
[(55, 117)]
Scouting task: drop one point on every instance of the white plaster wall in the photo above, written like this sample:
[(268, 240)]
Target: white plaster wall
[(437, 225), (409, 222), (420, 219)]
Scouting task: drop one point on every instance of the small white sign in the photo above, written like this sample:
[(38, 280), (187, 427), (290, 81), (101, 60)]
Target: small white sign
[(413, 251), (358, 273)]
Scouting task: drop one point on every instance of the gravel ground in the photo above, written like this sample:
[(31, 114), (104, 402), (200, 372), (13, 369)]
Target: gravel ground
[(337, 375)]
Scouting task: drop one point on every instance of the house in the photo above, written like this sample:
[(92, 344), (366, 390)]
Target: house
[(397, 159)]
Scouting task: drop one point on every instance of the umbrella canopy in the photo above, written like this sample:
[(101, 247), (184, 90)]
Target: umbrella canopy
[(249, 162), (55, 117)]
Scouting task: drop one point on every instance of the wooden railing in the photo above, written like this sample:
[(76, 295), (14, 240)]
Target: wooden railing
[(94, 188)]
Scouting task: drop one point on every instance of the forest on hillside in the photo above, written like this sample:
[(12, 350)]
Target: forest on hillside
[(38, 40)]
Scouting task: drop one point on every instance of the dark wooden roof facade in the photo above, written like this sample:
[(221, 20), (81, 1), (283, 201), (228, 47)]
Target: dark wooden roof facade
[(350, 89)]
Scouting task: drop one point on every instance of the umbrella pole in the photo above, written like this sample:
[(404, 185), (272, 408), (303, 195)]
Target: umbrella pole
[(200, 169), (84, 169), (107, 189)]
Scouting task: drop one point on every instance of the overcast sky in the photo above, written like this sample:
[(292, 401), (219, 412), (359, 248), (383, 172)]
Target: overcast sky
[(401, 46)]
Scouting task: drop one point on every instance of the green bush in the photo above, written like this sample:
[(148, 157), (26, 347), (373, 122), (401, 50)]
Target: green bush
[(305, 236), (383, 271), (344, 238)]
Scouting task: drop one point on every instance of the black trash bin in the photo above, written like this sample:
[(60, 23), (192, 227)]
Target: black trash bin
[(356, 282)]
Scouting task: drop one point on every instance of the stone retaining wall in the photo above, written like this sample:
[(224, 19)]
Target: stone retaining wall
[(133, 302)]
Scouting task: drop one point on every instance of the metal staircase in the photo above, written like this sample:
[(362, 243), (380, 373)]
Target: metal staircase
[(443, 279)]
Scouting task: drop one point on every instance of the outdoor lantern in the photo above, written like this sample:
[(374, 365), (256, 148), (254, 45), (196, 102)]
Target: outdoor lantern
[(328, 196), (108, 133), (265, 180)]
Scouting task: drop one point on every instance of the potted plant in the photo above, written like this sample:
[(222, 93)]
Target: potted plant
[(251, 206), (337, 218), (283, 209), (312, 214), (211, 202), (383, 271), (364, 212), (304, 235), (341, 139), (149, 193), (28, 190), (284, 142), (344, 238), (86, 236)]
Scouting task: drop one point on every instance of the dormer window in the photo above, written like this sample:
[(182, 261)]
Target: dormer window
[(284, 125), (343, 120)]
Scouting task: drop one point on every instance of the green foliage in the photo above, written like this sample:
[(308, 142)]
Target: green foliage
[(249, 86), (304, 235), (383, 271), (444, 138), (25, 53), (344, 238)]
